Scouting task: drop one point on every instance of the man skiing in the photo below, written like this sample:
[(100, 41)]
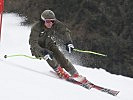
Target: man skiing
[(44, 35)]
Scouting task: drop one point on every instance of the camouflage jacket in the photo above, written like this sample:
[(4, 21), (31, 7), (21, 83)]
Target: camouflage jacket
[(58, 33)]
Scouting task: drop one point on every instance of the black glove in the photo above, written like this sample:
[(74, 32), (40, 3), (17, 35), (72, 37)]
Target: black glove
[(47, 54), (69, 47), (37, 51)]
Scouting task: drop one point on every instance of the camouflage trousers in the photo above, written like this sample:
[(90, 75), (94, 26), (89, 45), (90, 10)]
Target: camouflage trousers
[(59, 59)]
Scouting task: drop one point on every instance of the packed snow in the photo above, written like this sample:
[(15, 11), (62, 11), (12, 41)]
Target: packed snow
[(23, 78)]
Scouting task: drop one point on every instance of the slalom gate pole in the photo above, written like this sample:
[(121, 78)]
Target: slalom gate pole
[(1, 11), (0, 24)]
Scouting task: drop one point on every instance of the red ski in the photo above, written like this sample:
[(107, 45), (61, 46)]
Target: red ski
[(88, 85)]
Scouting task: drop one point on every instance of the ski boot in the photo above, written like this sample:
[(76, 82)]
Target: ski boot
[(78, 78), (61, 73), (81, 79)]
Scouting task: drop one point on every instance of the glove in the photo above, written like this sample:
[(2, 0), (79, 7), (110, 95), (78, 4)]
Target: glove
[(37, 51), (47, 55), (69, 47)]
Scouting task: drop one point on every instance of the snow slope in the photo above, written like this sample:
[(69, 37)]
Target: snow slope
[(28, 79)]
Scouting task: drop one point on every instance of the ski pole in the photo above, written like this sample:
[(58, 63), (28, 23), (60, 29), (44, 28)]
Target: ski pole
[(77, 50), (15, 55), (91, 52)]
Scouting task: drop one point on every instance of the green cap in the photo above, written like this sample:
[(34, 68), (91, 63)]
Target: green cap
[(47, 14)]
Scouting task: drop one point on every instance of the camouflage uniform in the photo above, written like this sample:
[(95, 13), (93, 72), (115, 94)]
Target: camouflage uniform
[(42, 38)]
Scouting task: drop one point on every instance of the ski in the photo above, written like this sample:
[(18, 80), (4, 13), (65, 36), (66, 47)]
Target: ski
[(89, 85)]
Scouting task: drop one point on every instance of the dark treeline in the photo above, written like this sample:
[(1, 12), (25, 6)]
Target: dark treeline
[(104, 26)]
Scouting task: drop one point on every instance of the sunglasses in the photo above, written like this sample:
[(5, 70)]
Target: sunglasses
[(49, 20)]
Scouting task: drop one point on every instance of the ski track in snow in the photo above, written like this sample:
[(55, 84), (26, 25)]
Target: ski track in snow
[(28, 79)]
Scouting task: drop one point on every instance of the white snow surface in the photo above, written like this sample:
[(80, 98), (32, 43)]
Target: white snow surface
[(22, 78)]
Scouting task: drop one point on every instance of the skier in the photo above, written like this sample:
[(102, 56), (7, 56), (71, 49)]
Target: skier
[(44, 35)]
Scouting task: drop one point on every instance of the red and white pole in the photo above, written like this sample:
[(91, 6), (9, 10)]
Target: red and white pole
[(1, 11)]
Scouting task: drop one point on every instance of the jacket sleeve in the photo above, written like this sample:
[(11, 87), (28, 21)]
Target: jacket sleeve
[(67, 36), (34, 36), (35, 48), (64, 33)]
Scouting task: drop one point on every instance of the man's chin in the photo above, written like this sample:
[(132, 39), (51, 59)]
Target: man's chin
[(49, 26)]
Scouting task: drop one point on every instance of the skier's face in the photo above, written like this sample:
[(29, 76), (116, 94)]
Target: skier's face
[(49, 23)]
